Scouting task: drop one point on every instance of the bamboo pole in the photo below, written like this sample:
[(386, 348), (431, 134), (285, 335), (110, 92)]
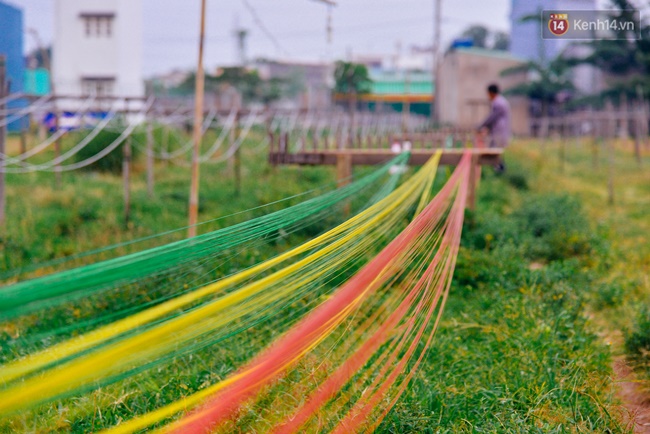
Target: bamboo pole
[(198, 122)]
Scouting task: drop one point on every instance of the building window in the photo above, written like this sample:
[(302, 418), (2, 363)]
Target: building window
[(98, 86), (98, 25)]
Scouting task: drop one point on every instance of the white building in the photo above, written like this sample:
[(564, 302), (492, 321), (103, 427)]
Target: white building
[(98, 48)]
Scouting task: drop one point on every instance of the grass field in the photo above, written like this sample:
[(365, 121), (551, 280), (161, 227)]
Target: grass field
[(550, 282)]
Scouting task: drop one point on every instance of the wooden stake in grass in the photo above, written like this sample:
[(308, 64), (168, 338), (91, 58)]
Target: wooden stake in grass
[(595, 143), (57, 147), (150, 162), (237, 156), (637, 119), (611, 124), (344, 174), (561, 152), (126, 179), (198, 123), (23, 136), (474, 176)]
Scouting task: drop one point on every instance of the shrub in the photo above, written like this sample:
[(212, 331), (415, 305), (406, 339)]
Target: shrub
[(637, 340), (111, 163), (553, 227), (608, 295), (517, 180)]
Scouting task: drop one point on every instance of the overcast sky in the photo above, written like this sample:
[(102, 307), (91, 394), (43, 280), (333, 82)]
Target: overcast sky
[(360, 26)]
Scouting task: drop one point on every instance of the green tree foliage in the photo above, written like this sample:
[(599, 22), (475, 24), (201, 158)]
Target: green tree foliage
[(501, 41), (483, 37), (627, 59), (248, 82), (111, 163), (478, 34), (545, 82), (351, 78)]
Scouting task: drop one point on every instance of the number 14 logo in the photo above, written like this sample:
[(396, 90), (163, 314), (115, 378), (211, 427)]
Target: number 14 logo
[(558, 24)]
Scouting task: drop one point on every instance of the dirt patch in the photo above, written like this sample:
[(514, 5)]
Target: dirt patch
[(635, 401)]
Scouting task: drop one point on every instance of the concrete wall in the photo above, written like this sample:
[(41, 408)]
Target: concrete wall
[(464, 77), (118, 55)]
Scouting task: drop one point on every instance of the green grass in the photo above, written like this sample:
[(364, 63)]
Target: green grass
[(622, 290), (546, 274), (516, 351), (46, 221)]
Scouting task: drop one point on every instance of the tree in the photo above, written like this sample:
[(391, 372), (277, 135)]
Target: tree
[(626, 59), (247, 82), (351, 79), (546, 82), (482, 37), (501, 41), (478, 34)]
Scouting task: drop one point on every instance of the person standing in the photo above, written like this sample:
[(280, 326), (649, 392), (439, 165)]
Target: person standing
[(497, 124)]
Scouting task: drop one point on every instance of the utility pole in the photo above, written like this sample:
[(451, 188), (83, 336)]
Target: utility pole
[(240, 38), (198, 122), (4, 91), (328, 26), (435, 104)]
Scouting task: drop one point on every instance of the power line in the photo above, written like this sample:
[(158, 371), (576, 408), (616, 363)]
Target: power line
[(263, 27)]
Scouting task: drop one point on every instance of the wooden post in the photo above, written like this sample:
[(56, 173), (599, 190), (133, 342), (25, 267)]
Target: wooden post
[(304, 134), (474, 176), (610, 178), (165, 144), (126, 179), (57, 147), (561, 152), (314, 138), (232, 138), (271, 135), (198, 125), (595, 142), (611, 124), (237, 156), (150, 161), (4, 91), (637, 134), (343, 168), (344, 174), (23, 136)]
